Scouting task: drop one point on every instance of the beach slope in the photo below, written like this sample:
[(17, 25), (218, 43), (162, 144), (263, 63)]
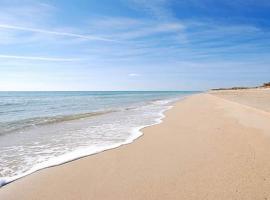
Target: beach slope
[(208, 147)]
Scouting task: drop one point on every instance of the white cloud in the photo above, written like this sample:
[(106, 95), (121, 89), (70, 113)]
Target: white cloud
[(152, 29), (125, 29), (29, 21), (38, 58), (157, 8), (115, 23), (25, 14), (134, 75), (36, 30)]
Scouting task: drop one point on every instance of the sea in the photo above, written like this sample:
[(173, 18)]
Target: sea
[(44, 129)]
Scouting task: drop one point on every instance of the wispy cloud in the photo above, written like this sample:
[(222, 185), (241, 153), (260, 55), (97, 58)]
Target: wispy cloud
[(38, 58), (157, 8), (36, 30), (21, 12), (116, 23), (134, 75), (124, 28), (152, 29)]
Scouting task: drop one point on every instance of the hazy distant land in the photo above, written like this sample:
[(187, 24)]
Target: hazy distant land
[(265, 85)]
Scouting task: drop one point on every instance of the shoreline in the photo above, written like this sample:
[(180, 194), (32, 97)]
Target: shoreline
[(136, 134), (171, 161)]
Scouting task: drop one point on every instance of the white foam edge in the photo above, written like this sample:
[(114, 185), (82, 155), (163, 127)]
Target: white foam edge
[(80, 153)]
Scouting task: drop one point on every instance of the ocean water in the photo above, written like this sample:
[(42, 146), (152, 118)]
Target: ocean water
[(43, 129)]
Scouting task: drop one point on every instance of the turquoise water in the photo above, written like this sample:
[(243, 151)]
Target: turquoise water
[(42, 129)]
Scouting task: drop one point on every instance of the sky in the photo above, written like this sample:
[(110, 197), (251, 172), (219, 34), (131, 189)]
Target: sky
[(64, 45)]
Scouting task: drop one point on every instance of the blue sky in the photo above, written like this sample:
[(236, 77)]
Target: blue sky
[(133, 44)]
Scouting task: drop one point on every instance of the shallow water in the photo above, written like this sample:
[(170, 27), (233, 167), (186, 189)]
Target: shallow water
[(42, 129)]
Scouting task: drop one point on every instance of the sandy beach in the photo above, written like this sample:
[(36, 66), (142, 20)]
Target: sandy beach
[(210, 146)]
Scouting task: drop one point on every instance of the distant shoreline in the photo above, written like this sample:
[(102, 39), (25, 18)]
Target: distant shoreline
[(265, 85)]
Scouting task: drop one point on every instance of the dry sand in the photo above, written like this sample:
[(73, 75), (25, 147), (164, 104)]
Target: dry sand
[(207, 148), (257, 98)]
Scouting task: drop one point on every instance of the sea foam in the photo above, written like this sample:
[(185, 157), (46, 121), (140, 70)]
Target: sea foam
[(57, 143)]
